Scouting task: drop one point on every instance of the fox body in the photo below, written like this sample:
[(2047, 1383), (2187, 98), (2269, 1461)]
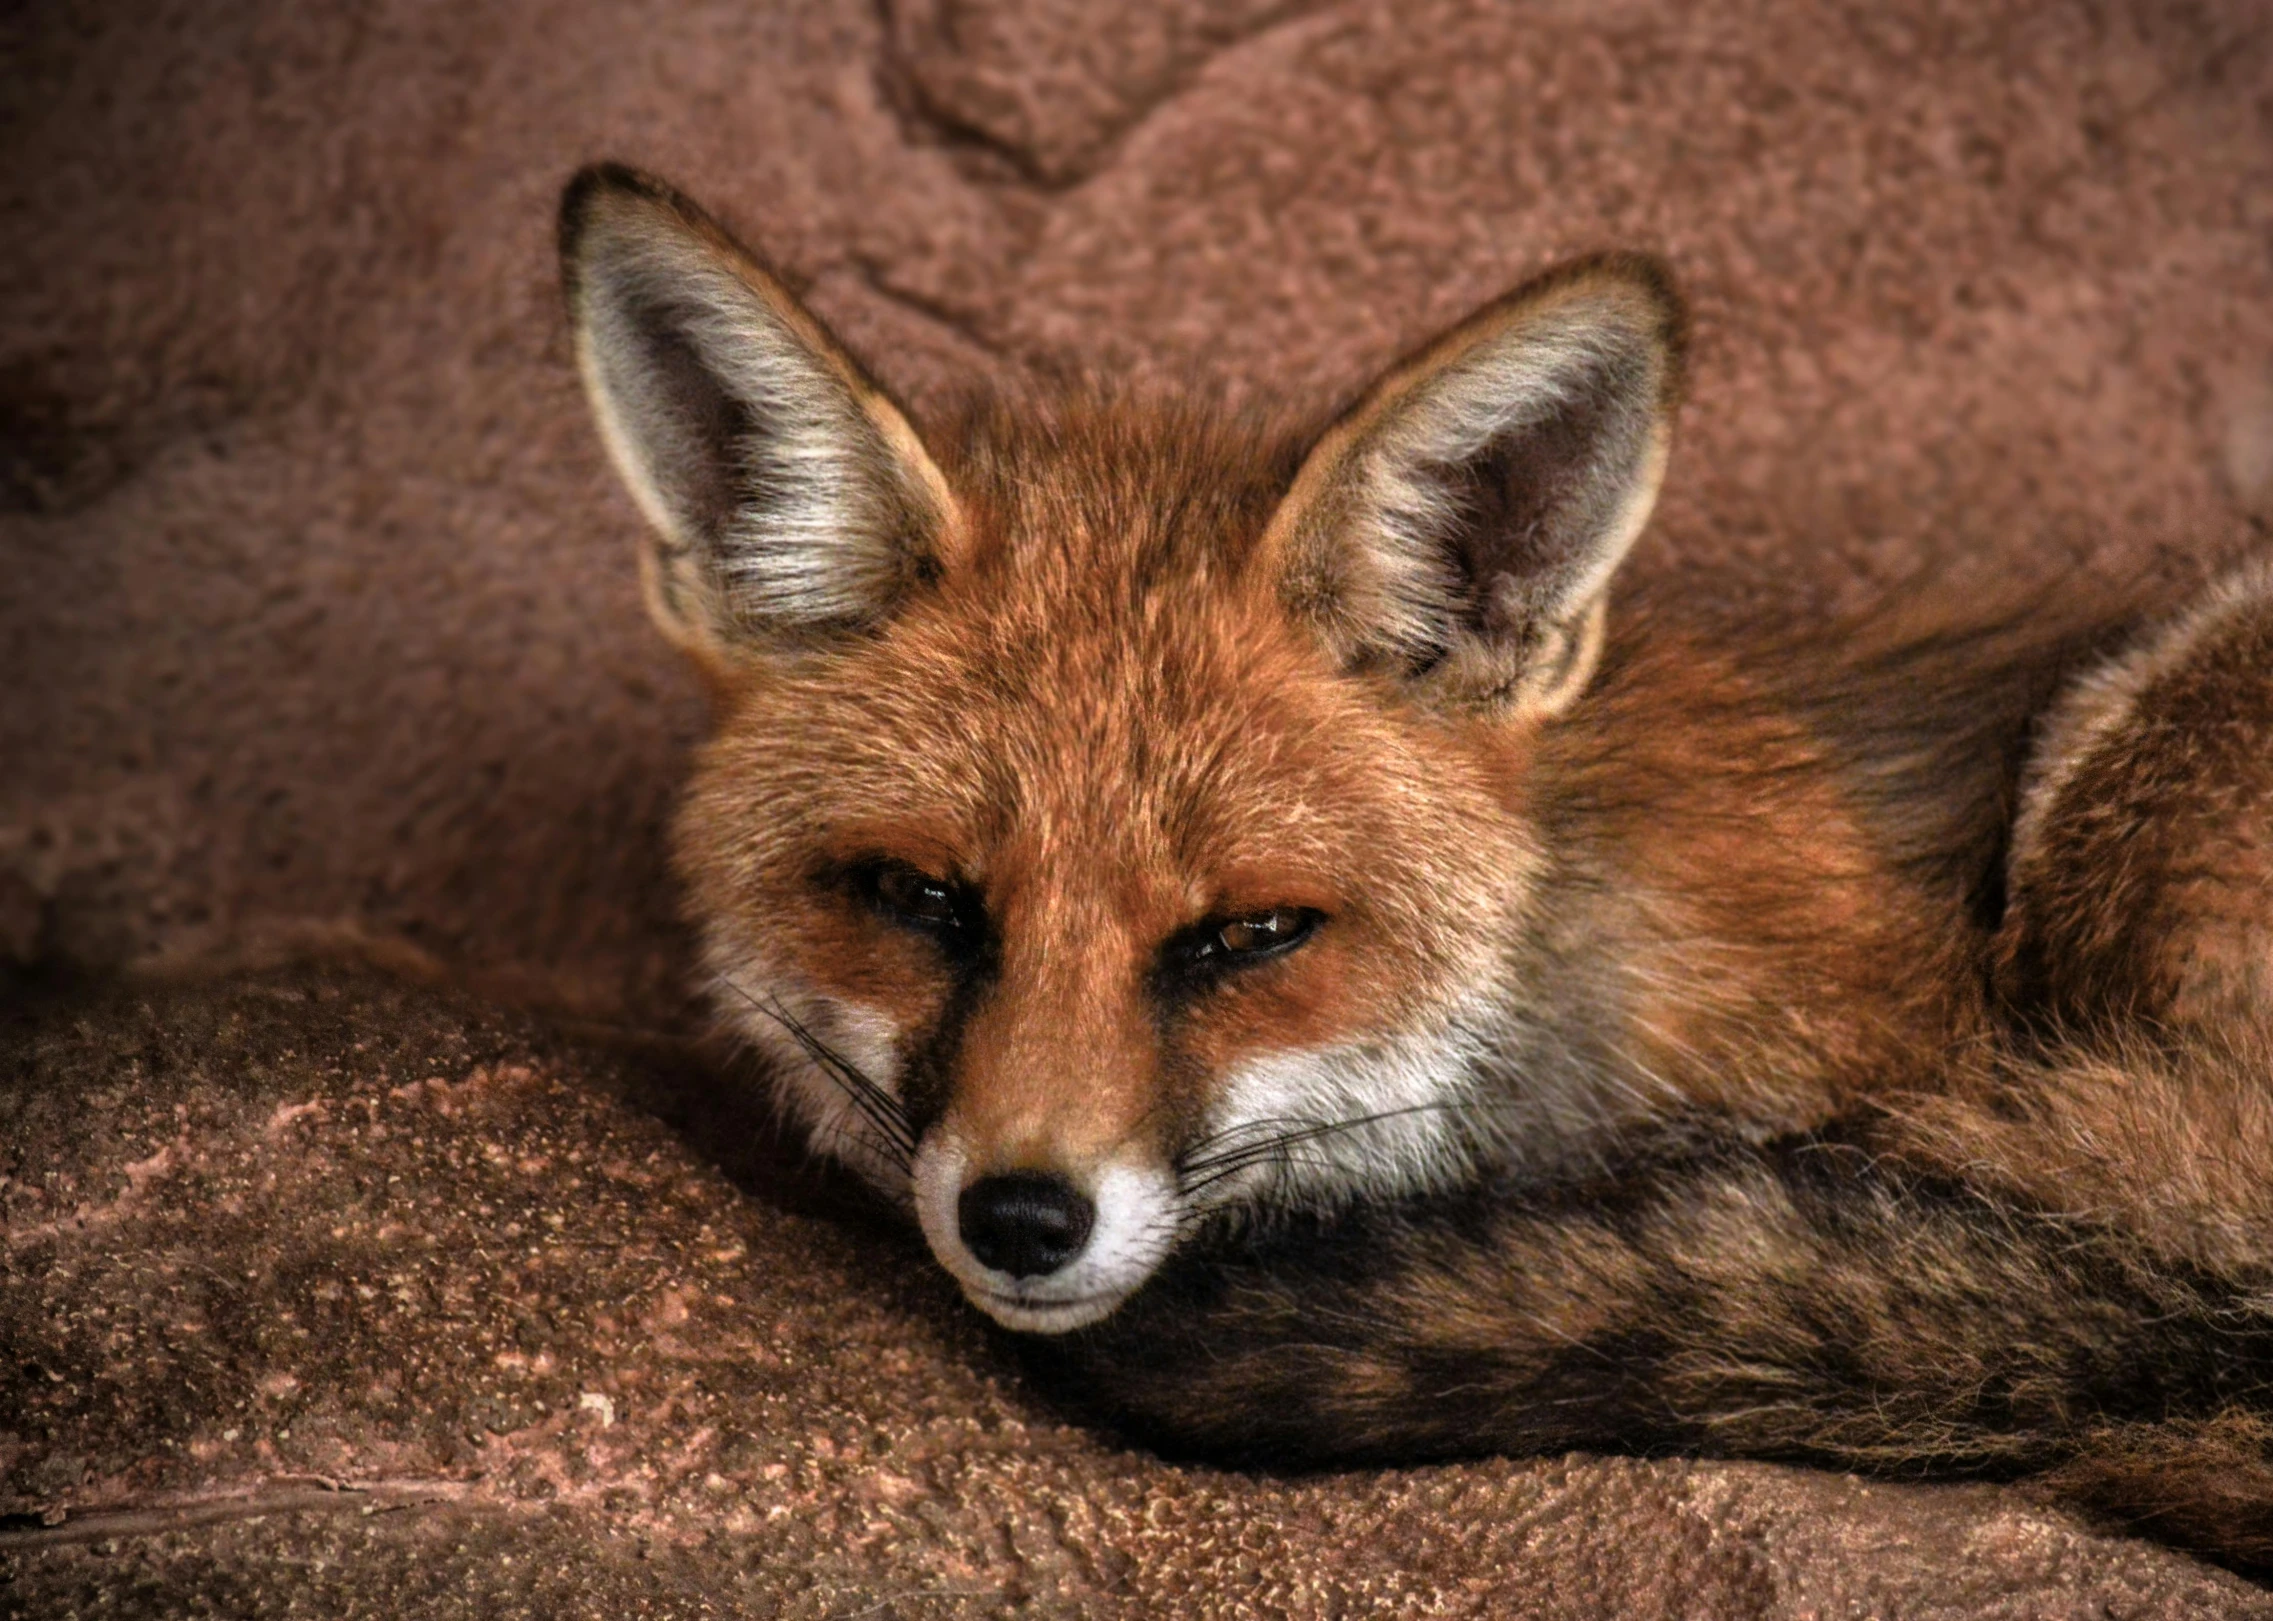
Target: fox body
[(1250, 893)]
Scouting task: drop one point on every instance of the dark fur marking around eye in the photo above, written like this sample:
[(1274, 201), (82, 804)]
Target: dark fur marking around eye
[(947, 911)]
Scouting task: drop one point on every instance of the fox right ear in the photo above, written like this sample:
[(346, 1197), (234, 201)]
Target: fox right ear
[(788, 497), (1458, 526)]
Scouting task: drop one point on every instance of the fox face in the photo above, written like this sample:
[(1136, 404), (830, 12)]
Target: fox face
[(1117, 819)]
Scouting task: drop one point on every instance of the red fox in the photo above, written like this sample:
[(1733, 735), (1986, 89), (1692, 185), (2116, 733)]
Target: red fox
[(1350, 991)]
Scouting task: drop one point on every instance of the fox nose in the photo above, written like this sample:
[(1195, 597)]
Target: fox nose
[(1025, 1223)]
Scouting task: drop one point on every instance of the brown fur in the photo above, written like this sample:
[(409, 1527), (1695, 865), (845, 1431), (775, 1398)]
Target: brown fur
[(2143, 880), (1961, 1296), (1791, 1114), (1717, 919), (2054, 1265)]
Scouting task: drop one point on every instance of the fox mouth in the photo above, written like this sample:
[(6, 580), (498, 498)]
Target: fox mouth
[(1042, 1314)]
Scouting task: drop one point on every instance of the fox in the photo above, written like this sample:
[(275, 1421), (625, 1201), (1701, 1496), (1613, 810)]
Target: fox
[(1338, 983)]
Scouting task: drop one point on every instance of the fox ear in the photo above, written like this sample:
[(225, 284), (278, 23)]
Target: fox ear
[(1458, 526), (789, 498)]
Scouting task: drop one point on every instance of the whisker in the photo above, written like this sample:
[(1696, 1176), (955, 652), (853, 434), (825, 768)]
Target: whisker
[(878, 1107), (1309, 1130), (1247, 1138), (1197, 1172), (1282, 1151), (840, 1067), (871, 1100)]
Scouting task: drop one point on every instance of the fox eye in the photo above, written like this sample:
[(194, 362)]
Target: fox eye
[(915, 897), (1222, 943), (1265, 931)]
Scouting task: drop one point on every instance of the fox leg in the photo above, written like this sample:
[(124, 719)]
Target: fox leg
[(2140, 882)]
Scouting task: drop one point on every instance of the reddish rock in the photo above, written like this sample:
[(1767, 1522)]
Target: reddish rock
[(320, 628), (322, 1295)]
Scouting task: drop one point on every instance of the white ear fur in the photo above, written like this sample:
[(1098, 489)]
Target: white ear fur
[(788, 496), (1459, 525)]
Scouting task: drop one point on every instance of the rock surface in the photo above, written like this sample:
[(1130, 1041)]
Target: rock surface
[(326, 1296), (320, 628), (320, 613)]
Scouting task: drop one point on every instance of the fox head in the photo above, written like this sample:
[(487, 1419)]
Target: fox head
[(1116, 818)]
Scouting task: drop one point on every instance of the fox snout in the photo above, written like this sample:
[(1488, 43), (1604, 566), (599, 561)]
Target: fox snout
[(1043, 1249)]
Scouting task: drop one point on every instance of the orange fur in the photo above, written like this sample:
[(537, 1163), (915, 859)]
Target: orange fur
[(1122, 819)]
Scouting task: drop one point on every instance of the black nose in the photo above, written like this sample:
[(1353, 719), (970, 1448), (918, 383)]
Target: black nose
[(1024, 1223)]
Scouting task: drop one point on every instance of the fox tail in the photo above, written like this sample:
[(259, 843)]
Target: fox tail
[(2062, 1269)]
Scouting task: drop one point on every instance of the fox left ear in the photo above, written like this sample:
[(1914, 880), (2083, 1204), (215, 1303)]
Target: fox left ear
[(1459, 525), (788, 498)]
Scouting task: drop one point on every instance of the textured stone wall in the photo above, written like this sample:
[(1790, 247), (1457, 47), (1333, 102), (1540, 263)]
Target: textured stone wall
[(319, 612), (318, 624)]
